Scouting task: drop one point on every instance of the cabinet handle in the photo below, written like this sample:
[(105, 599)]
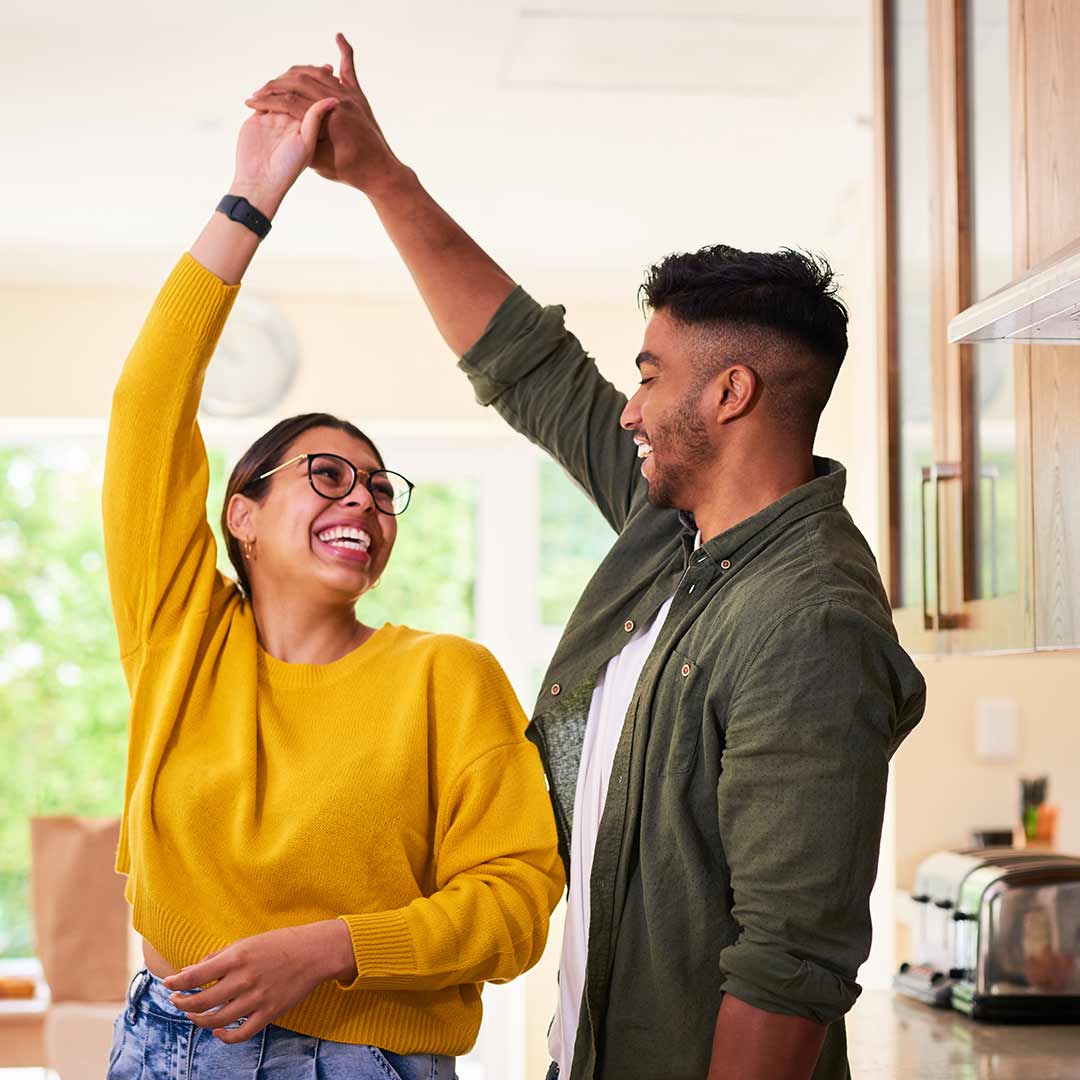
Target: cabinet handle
[(933, 475)]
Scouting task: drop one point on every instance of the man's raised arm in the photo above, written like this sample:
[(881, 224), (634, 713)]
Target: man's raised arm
[(518, 355), (460, 283)]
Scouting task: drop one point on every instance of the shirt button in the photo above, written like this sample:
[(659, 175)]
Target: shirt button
[(685, 670), (556, 690), (726, 564), (628, 625)]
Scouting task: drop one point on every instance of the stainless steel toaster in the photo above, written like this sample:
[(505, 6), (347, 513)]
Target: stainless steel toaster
[(998, 935)]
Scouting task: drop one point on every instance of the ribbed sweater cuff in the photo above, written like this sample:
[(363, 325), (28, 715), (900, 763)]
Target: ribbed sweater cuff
[(382, 946), (196, 299)]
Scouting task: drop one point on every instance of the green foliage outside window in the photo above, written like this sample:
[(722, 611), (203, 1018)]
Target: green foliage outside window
[(63, 700), (429, 583), (574, 538)]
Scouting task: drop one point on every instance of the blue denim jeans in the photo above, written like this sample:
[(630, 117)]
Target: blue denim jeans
[(153, 1040)]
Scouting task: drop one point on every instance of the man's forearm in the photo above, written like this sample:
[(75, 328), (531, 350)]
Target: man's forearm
[(752, 1044), (460, 283)]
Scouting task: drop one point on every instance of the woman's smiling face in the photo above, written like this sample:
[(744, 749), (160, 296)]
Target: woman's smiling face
[(305, 541)]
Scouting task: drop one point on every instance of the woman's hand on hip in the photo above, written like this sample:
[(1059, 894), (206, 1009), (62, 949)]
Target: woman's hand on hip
[(256, 979)]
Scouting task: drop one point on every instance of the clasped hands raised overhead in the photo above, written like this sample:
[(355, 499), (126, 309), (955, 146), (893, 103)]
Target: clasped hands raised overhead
[(351, 147)]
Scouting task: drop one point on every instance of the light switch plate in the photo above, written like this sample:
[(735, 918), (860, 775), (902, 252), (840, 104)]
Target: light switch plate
[(997, 729)]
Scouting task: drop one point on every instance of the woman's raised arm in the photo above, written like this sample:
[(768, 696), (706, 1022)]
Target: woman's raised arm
[(160, 550)]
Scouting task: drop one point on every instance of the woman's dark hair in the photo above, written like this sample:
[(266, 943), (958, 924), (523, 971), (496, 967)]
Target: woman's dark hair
[(786, 291), (266, 453)]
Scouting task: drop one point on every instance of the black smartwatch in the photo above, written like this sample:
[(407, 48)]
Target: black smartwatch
[(237, 208)]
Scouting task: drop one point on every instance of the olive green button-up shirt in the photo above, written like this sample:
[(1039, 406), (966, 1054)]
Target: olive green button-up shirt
[(739, 842)]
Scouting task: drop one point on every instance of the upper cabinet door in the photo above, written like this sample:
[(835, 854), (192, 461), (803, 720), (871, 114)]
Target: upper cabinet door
[(1045, 53), (994, 383), (910, 561), (958, 485)]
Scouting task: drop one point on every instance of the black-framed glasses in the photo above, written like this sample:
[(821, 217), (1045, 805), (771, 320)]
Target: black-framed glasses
[(334, 477)]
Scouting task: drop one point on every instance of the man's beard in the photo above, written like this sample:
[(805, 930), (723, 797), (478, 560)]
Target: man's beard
[(683, 440)]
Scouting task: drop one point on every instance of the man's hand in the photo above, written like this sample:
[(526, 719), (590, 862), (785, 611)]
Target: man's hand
[(459, 282), (256, 979), (354, 151)]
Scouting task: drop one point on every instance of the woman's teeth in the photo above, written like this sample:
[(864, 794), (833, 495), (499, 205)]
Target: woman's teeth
[(345, 536)]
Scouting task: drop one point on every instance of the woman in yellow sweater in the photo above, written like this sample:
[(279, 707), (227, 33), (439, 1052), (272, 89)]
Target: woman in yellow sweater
[(338, 832)]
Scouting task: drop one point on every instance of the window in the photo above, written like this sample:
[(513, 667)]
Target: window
[(574, 538), (497, 545), (63, 701)]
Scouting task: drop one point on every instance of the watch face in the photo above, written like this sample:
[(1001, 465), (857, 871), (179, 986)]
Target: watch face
[(254, 364)]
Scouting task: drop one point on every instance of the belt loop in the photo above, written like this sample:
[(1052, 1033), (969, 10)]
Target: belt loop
[(142, 978)]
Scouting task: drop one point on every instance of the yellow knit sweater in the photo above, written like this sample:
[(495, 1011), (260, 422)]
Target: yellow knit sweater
[(393, 788)]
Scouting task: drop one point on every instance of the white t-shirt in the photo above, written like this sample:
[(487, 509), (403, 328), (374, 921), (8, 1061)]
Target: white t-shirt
[(607, 711)]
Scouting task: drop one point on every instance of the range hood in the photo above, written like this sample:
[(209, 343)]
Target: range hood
[(1042, 307)]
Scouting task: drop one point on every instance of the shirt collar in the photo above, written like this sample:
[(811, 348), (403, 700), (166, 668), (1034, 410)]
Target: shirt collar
[(825, 490)]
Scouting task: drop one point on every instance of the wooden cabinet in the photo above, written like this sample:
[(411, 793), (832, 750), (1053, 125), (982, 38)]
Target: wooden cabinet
[(978, 174), (1046, 45)]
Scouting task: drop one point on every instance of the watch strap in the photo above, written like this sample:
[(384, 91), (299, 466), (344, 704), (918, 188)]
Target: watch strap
[(237, 208)]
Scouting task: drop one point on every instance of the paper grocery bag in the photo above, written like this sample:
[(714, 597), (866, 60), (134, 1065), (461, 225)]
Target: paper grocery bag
[(79, 912)]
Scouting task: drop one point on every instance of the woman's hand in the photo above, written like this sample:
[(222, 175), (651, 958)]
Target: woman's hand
[(256, 979), (355, 151), (273, 150), (271, 153)]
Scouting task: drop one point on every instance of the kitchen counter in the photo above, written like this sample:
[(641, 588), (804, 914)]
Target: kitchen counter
[(895, 1038)]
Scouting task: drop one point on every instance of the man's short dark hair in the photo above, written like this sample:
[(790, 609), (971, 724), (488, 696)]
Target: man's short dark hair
[(779, 308)]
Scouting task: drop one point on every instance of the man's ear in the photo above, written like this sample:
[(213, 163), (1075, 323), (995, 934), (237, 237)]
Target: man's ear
[(739, 388), (239, 517)]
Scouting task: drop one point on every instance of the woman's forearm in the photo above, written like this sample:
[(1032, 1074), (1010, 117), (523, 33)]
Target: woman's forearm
[(226, 247), (271, 153)]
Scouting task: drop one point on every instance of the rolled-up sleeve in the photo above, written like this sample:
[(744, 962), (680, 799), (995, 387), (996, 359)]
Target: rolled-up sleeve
[(537, 376), (521, 336), (809, 732)]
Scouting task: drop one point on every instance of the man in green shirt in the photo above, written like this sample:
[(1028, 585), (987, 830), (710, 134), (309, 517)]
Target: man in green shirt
[(739, 799)]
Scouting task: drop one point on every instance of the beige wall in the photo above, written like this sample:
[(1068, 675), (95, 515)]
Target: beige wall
[(943, 790), (63, 347), (373, 358)]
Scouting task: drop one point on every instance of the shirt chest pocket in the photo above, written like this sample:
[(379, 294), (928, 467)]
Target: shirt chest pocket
[(677, 716)]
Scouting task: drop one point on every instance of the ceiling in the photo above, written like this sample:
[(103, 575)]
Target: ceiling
[(585, 139)]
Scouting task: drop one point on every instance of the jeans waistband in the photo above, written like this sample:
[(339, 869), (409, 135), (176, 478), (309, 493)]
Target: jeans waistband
[(146, 986), (136, 990)]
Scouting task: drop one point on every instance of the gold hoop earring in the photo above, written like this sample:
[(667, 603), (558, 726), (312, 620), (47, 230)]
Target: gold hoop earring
[(249, 549)]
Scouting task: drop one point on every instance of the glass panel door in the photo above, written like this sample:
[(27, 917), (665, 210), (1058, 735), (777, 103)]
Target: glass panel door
[(992, 513), (908, 190)]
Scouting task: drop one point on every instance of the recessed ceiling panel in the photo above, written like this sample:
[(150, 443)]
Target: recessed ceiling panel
[(689, 52)]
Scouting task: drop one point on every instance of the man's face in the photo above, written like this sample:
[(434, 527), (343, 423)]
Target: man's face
[(668, 414)]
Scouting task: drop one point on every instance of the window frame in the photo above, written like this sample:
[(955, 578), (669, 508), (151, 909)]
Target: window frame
[(506, 471)]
